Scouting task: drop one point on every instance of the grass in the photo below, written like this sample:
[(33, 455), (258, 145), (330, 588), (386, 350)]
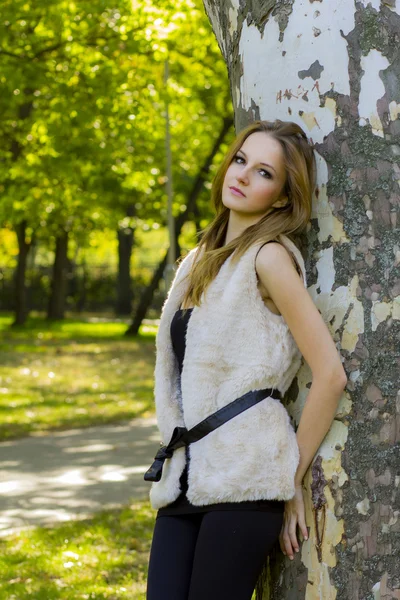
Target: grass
[(104, 557), (72, 373)]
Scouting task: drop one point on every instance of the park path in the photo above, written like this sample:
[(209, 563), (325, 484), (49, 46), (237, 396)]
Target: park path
[(54, 477)]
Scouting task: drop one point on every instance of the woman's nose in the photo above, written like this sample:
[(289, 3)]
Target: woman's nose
[(242, 176)]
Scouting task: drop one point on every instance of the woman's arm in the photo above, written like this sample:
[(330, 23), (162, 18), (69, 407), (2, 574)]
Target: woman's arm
[(283, 284), (276, 271)]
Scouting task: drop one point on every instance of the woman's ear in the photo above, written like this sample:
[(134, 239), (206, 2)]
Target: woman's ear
[(283, 201)]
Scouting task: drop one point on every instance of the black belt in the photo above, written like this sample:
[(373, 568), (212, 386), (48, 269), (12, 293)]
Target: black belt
[(183, 437)]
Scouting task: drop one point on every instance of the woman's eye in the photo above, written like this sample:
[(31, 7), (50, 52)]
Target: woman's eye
[(267, 174)]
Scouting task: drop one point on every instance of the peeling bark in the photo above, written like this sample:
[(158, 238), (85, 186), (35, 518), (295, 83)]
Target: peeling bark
[(334, 68)]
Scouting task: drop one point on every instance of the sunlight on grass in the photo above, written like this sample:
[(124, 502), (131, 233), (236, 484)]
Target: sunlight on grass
[(68, 328), (72, 374), (98, 558)]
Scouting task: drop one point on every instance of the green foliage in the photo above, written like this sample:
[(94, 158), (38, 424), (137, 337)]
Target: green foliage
[(83, 110)]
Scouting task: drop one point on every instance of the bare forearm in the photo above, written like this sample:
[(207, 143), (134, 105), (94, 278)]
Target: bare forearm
[(316, 419)]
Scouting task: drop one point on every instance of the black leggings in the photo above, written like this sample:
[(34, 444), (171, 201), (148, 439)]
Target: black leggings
[(217, 555)]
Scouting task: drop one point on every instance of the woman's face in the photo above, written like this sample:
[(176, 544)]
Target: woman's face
[(258, 172)]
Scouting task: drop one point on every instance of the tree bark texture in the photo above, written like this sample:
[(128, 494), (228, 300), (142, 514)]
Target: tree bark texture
[(59, 278), (333, 67)]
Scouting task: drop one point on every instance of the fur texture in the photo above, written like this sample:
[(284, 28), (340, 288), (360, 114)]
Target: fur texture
[(234, 344)]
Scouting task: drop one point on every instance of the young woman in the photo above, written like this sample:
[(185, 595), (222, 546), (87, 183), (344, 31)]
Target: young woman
[(237, 321)]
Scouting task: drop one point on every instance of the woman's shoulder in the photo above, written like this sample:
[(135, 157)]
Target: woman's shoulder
[(291, 248)]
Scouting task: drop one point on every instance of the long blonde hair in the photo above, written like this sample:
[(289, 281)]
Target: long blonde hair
[(290, 220)]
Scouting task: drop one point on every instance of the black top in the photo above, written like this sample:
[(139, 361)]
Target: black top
[(182, 505)]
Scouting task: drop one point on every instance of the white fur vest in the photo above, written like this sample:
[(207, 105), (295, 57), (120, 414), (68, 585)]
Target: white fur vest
[(234, 344)]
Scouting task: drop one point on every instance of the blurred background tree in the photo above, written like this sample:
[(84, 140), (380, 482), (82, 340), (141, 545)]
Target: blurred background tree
[(83, 204)]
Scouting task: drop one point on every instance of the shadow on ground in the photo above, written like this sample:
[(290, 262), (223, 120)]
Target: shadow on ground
[(55, 477)]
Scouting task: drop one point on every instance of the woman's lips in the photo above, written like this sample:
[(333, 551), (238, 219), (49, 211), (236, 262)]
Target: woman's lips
[(237, 192)]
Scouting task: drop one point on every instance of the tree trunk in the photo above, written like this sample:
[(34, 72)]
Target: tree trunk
[(21, 307), (124, 281), (148, 294), (333, 67), (58, 292)]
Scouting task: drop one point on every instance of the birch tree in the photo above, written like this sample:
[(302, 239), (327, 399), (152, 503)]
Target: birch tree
[(333, 67)]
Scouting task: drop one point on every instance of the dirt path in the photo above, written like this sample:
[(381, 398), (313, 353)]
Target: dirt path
[(55, 477)]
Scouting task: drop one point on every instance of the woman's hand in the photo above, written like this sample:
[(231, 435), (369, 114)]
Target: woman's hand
[(294, 514)]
